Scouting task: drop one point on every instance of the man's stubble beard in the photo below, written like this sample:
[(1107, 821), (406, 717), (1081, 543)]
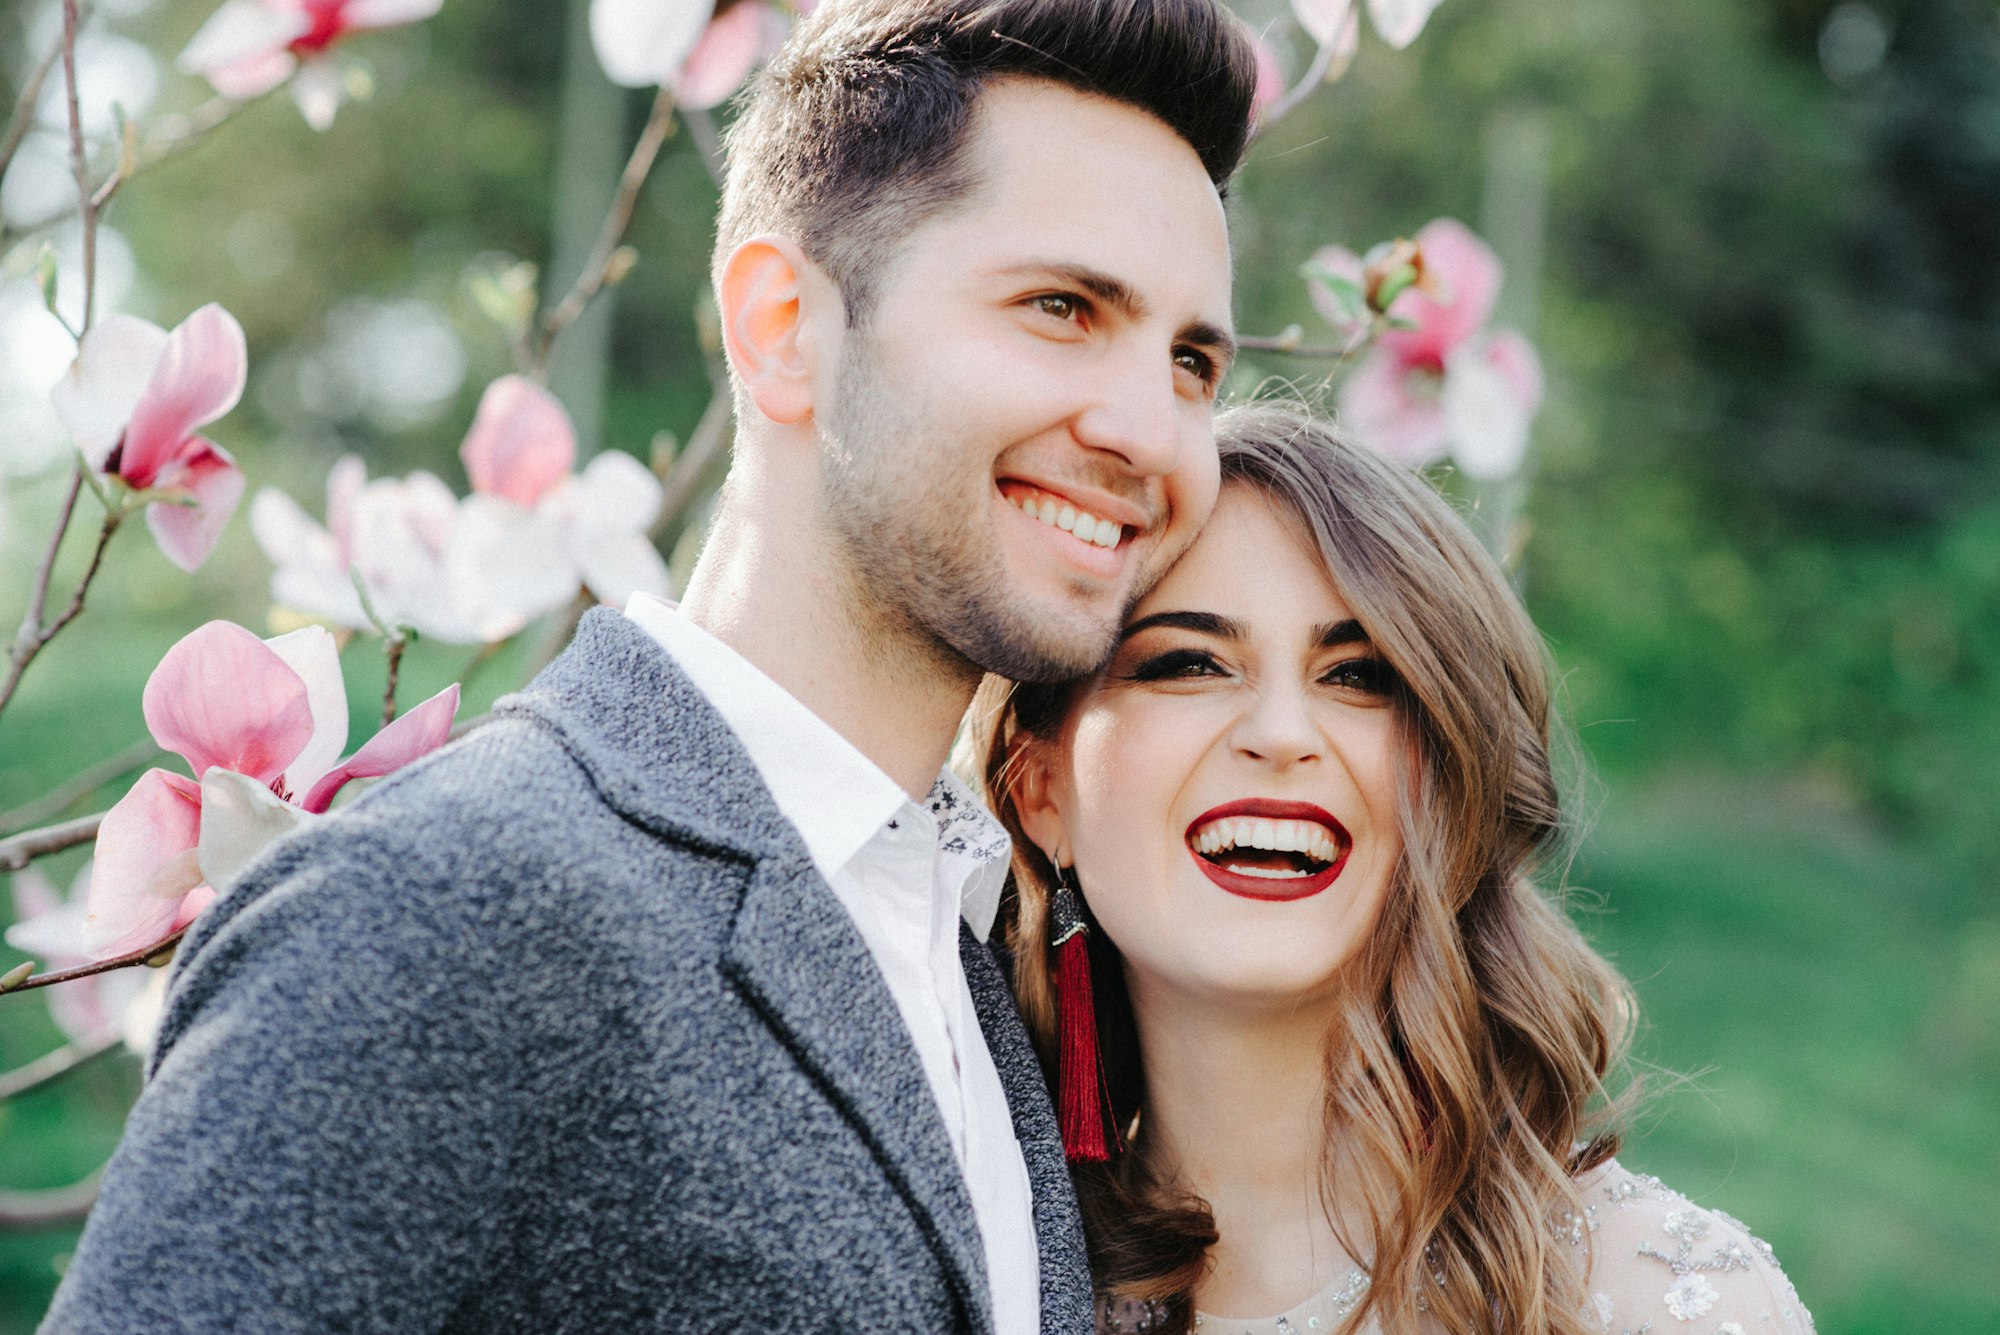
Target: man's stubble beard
[(918, 569)]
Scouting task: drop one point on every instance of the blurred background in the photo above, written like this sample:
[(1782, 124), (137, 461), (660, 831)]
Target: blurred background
[(1757, 243)]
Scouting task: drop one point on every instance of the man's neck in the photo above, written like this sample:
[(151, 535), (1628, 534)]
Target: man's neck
[(774, 594)]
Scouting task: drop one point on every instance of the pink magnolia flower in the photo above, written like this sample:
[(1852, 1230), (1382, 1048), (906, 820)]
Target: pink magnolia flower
[(133, 399), (48, 927), (703, 51), (249, 47), (262, 724), (531, 532), (1446, 386), (1398, 22)]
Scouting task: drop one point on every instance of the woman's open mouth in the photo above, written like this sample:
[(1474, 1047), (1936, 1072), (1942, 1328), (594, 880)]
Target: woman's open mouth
[(1260, 848)]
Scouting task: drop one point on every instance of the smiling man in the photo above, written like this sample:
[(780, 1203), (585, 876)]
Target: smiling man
[(662, 1002)]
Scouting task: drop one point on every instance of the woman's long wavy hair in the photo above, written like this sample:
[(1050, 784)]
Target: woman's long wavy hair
[(1466, 1071)]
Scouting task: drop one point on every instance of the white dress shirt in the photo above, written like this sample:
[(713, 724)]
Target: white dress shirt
[(906, 872)]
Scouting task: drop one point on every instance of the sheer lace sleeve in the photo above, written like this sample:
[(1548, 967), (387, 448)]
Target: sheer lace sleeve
[(1660, 1264)]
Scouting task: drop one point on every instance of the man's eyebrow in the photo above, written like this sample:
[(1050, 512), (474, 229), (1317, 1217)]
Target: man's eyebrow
[(1109, 289), (1219, 341), (1203, 623), (1335, 634)]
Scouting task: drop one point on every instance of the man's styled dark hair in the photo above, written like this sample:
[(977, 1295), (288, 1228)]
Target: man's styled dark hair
[(856, 133)]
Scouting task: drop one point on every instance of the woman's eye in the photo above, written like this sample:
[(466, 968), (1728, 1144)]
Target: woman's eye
[(1176, 665), (1369, 675), (1058, 305)]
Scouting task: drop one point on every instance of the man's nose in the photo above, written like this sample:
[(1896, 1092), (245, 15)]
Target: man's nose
[(1134, 413)]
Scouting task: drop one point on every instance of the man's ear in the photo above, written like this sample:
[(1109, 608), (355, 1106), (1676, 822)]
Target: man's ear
[(764, 296), (1033, 792)]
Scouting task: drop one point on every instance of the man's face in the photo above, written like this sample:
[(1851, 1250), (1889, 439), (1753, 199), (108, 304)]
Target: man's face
[(1048, 349)]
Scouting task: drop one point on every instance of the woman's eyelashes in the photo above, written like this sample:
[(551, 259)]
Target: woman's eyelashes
[(1359, 674)]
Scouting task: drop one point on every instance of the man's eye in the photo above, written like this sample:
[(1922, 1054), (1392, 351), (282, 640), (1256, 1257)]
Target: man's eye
[(1059, 305), (1368, 674), (1176, 665)]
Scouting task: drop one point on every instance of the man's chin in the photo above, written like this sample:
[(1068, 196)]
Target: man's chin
[(1042, 649)]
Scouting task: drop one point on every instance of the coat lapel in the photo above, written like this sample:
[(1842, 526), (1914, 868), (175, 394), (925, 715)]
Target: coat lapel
[(659, 754), (1067, 1300)]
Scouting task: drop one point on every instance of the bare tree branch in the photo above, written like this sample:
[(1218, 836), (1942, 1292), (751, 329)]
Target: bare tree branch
[(156, 954), (17, 851), (55, 1065), (53, 1207), (597, 270), (23, 118), (33, 636), (76, 789)]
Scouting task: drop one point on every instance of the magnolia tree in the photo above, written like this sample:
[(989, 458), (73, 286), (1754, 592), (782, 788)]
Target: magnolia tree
[(261, 723)]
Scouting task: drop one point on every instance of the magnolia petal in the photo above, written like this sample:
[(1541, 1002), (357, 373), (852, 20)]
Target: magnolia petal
[(1514, 357), (616, 568), (139, 1015), (1466, 274), (44, 925), (211, 479), (198, 378), (521, 443), (253, 77), (642, 43), (312, 653), (416, 734), (1399, 21), (1488, 407), (1346, 316), (240, 818), (345, 482), (318, 89), (615, 493), (1270, 86), (286, 532), (221, 696), (505, 567), (1392, 411), (239, 33), (1322, 19), (144, 866), (729, 48), (401, 527), (104, 384), (359, 15)]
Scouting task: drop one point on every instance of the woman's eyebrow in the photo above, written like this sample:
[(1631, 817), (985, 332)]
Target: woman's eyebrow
[(1202, 623), (1335, 634)]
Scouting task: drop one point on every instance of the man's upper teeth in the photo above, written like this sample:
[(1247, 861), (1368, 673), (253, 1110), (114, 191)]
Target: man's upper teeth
[(1278, 836), (1069, 519)]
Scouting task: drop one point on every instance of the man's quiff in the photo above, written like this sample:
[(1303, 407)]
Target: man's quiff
[(856, 133)]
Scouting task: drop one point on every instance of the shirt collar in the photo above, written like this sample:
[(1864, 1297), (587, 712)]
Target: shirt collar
[(837, 798)]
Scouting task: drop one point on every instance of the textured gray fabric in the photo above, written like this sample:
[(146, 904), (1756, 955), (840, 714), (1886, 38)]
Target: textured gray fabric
[(556, 1030)]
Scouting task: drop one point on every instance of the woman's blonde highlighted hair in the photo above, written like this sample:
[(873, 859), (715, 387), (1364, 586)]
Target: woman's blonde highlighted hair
[(1466, 1071)]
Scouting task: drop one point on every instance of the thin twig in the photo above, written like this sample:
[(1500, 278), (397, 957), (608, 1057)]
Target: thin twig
[(1315, 75), (53, 1207), (81, 786), (81, 166), (23, 118), (393, 648), (683, 484), (18, 850), (1292, 347), (659, 125), (701, 129), (177, 134), (33, 636), (54, 1065), (158, 953)]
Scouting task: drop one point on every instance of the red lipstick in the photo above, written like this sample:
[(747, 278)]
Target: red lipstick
[(1270, 888)]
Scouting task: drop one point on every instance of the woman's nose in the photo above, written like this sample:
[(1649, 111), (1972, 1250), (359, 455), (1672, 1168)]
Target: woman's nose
[(1278, 728)]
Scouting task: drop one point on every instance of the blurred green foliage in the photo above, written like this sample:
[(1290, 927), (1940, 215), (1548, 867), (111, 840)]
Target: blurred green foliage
[(1765, 526)]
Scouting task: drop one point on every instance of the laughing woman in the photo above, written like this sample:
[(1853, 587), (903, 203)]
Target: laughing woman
[(1352, 1059)]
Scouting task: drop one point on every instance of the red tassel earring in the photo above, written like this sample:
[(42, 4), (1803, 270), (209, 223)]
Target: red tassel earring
[(1080, 1097)]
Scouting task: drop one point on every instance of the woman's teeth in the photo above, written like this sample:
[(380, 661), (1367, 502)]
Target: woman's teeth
[(1069, 519), (1276, 836)]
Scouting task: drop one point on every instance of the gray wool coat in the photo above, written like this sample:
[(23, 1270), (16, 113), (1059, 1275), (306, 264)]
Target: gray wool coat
[(556, 1030)]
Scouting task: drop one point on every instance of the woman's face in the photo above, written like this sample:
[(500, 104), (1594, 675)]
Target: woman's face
[(1227, 786)]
